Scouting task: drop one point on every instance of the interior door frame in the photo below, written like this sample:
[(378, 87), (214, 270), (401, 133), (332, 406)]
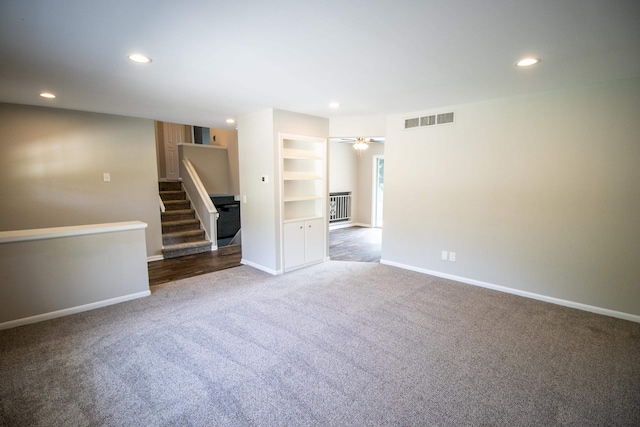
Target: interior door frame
[(374, 191)]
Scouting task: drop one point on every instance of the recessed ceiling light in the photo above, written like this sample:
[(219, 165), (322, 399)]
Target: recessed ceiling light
[(334, 105), (525, 62), (47, 95), (230, 121), (136, 57)]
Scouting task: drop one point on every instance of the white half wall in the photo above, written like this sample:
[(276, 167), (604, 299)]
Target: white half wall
[(48, 273), (537, 193)]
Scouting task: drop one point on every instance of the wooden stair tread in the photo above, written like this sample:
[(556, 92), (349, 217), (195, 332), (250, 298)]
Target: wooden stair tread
[(183, 233), (179, 212), (181, 222), (171, 205), (179, 246)]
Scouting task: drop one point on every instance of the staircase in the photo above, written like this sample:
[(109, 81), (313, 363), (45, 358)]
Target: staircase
[(181, 232)]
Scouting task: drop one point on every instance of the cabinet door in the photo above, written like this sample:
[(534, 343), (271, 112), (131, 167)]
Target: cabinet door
[(314, 240), (294, 246)]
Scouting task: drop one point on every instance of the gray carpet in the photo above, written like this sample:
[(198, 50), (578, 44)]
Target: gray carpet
[(341, 344)]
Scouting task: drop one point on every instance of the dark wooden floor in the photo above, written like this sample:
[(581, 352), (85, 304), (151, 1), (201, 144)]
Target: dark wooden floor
[(361, 244), (345, 244), (167, 270)]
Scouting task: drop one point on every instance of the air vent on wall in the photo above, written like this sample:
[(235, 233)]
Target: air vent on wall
[(411, 123), (445, 118), (435, 119), (428, 121)]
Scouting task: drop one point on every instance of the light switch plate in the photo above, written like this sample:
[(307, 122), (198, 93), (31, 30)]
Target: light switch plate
[(106, 177), (452, 256), (445, 255)]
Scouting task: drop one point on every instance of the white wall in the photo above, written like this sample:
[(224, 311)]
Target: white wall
[(536, 193), (257, 154), (212, 165), (228, 138), (343, 167), (356, 126), (364, 203), (52, 163)]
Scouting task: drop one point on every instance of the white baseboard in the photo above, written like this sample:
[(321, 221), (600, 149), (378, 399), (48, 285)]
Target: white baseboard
[(72, 310), (360, 224), (338, 225), (260, 267), (155, 258), (526, 294)]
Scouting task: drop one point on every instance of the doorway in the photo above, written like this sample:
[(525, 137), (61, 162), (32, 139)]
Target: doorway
[(362, 175)]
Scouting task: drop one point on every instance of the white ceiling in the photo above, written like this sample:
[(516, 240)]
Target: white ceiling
[(213, 60)]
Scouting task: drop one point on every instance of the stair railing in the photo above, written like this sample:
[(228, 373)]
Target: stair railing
[(205, 211)]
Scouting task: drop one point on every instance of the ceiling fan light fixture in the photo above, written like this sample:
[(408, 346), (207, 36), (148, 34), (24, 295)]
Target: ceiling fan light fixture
[(526, 62), (361, 144), (138, 57)]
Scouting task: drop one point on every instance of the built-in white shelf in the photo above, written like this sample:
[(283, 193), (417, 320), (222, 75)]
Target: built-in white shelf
[(302, 198), (291, 176), (303, 218)]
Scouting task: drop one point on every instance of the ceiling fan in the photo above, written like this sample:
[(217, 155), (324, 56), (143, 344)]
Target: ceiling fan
[(360, 143)]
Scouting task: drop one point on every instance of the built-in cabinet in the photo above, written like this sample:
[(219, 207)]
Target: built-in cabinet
[(303, 243), (304, 199)]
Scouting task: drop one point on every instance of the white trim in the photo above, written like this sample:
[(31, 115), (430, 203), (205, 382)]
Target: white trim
[(190, 144), (72, 310), (260, 267), (76, 230), (526, 294), (204, 206), (338, 225), (361, 224), (374, 192), (155, 258)]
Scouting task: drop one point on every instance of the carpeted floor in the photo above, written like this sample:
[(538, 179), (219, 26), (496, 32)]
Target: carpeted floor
[(340, 344)]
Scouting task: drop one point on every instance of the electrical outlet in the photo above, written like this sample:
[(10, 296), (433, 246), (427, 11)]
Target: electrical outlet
[(452, 256), (445, 255), (244, 199)]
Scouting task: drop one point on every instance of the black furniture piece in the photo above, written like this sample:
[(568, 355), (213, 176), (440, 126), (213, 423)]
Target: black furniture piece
[(229, 217)]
